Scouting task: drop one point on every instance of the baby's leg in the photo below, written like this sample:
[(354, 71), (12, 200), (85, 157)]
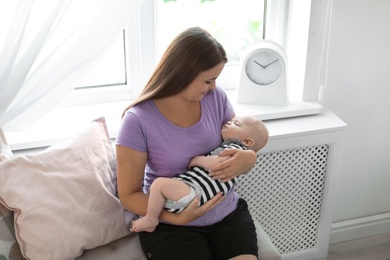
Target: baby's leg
[(160, 190)]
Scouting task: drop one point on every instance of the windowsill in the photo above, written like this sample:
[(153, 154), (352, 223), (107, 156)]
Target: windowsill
[(264, 112), (60, 123)]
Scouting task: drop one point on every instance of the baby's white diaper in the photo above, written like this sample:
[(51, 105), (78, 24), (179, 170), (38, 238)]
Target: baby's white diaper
[(183, 202)]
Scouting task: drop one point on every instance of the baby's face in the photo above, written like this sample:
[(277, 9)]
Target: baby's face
[(237, 128)]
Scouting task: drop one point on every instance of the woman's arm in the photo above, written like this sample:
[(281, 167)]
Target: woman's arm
[(241, 161), (130, 174), (207, 161)]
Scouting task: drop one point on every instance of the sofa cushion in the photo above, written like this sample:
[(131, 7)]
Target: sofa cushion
[(63, 198), (127, 247), (267, 250), (9, 248)]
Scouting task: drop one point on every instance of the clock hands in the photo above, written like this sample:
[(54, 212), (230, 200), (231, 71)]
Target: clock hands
[(259, 64), (270, 63), (264, 67)]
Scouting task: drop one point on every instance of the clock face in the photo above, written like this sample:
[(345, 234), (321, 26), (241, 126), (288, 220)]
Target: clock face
[(264, 67)]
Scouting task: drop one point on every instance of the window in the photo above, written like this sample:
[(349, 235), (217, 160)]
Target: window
[(234, 23), (139, 47)]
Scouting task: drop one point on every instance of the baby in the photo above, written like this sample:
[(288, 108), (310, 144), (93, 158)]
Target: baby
[(175, 194)]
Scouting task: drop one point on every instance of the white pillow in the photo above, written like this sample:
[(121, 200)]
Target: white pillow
[(64, 197)]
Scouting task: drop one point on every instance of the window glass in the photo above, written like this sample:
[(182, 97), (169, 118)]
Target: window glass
[(111, 69), (234, 23)]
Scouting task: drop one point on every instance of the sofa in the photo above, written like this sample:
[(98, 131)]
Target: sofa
[(61, 203)]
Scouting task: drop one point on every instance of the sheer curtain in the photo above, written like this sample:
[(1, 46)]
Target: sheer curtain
[(47, 46)]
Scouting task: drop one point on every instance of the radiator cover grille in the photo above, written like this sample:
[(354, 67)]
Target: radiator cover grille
[(284, 192)]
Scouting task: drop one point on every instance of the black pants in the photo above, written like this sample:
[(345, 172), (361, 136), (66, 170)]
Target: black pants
[(234, 235)]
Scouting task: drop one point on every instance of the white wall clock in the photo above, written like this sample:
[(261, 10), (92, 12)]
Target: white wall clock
[(263, 79)]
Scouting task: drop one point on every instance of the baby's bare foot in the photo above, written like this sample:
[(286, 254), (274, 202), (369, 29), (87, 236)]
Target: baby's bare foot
[(144, 224)]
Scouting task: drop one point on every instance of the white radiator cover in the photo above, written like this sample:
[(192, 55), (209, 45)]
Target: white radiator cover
[(291, 190)]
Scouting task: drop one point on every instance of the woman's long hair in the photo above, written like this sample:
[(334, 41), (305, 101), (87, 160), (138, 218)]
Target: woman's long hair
[(191, 52)]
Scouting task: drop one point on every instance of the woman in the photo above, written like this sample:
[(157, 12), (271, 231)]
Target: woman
[(177, 116)]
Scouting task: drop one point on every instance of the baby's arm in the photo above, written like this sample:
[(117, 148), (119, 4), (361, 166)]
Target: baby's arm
[(207, 161)]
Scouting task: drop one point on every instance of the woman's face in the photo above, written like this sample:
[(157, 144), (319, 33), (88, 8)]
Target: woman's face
[(205, 81)]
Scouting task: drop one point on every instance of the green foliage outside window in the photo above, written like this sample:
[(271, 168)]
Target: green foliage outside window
[(234, 23)]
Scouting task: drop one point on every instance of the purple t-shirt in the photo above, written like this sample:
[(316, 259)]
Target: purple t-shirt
[(170, 147)]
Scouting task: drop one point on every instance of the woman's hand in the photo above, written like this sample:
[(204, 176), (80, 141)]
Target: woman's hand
[(194, 211), (240, 162)]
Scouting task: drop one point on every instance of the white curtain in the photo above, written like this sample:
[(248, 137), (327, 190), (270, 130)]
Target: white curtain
[(46, 47)]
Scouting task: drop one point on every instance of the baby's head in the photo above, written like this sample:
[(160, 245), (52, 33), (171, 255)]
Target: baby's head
[(250, 130)]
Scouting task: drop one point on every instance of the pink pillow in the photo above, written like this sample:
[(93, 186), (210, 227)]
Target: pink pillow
[(64, 197)]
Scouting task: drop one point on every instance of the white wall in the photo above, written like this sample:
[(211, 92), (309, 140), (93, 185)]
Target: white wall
[(358, 91)]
